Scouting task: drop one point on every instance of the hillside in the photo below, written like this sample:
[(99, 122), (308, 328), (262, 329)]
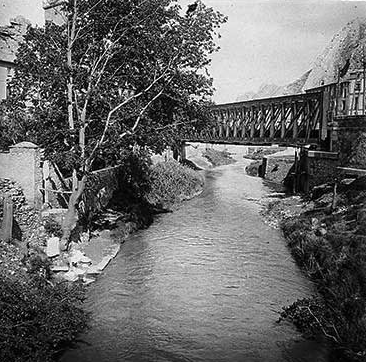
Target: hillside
[(343, 54)]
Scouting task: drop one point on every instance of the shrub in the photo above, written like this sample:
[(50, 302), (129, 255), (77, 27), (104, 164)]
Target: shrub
[(218, 158), (52, 227), (38, 319), (135, 177), (336, 262), (172, 182)]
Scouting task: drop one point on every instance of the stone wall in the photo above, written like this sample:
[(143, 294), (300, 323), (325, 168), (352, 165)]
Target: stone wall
[(318, 167), (23, 165), (276, 168), (349, 139), (27, 224)]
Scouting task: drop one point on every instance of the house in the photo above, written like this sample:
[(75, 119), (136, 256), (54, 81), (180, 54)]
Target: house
[(53, 11), (12, 34), (10, 37)]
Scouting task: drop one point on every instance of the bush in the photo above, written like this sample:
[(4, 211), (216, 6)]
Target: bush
[(218, 158), (253, 168), (336, 261), (52, 227), (135, 178), (38, 319), (172, 182)]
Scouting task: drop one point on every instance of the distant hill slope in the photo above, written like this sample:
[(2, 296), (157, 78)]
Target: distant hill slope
[(345, 53), (346, 45)]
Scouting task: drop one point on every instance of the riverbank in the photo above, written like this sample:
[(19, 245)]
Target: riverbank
[(199, 281), (56, 315), (326, 235)]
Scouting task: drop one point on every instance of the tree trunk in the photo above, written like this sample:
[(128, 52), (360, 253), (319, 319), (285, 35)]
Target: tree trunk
[(71, 216)]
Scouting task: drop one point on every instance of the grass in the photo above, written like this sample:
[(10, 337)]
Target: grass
[(172, 182), (218, 158), (37, 319), (331, 249)]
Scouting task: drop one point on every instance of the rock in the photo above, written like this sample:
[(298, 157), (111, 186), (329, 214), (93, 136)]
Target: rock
[(105, 261), (85, 260), (115, 250), (76, 257), (92, 270), (71, 276), (53, 247), (88, 281), (79, 271), (60, 268)]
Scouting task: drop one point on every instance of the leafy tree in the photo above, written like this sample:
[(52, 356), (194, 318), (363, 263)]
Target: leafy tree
[(115, 74)]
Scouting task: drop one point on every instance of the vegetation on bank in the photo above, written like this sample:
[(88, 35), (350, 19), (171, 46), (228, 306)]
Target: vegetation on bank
[(38, 319), (218, 158), (328, 241), (172, 182), (253, 168), (40, 316), (112, 78)]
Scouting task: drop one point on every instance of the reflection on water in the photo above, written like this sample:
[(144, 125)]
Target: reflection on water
[(204, 283)]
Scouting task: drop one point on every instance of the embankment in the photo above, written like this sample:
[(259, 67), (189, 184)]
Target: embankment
[(326, 234)]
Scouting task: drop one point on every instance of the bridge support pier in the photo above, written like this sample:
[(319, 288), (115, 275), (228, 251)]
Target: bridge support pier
[(182, 152)]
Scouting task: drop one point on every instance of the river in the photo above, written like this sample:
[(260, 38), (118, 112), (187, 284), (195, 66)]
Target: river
[(204, 283)]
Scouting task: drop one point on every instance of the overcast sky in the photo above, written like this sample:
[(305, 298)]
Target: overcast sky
[(264, 41), (273, 41)]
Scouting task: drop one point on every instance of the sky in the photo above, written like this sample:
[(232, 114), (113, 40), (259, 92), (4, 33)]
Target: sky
[(263, 42)]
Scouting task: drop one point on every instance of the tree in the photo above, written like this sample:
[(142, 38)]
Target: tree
[(111, 75)]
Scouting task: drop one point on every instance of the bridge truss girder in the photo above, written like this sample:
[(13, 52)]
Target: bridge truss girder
[(287, 120)]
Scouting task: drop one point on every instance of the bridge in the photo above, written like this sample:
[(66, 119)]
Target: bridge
[(292, 120), (330, 120)]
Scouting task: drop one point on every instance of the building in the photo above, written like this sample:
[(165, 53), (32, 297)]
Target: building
[(12, 34), (351, 94), (53, 11), (10, 37)]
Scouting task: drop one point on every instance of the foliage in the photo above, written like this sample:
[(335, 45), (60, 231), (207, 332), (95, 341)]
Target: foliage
[(137, 75), (135, 178), (218, 158), (37, 319), (171, 182), (52, 227), (335, 261), (253, 168), (38, 265)]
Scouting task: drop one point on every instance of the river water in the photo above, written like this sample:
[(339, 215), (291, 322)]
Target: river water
[(204, 283)]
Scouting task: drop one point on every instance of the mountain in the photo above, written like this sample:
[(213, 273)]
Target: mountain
[(345, 53), (264, 91)]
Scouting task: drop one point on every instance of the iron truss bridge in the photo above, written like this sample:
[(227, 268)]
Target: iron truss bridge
[(286, 120)]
